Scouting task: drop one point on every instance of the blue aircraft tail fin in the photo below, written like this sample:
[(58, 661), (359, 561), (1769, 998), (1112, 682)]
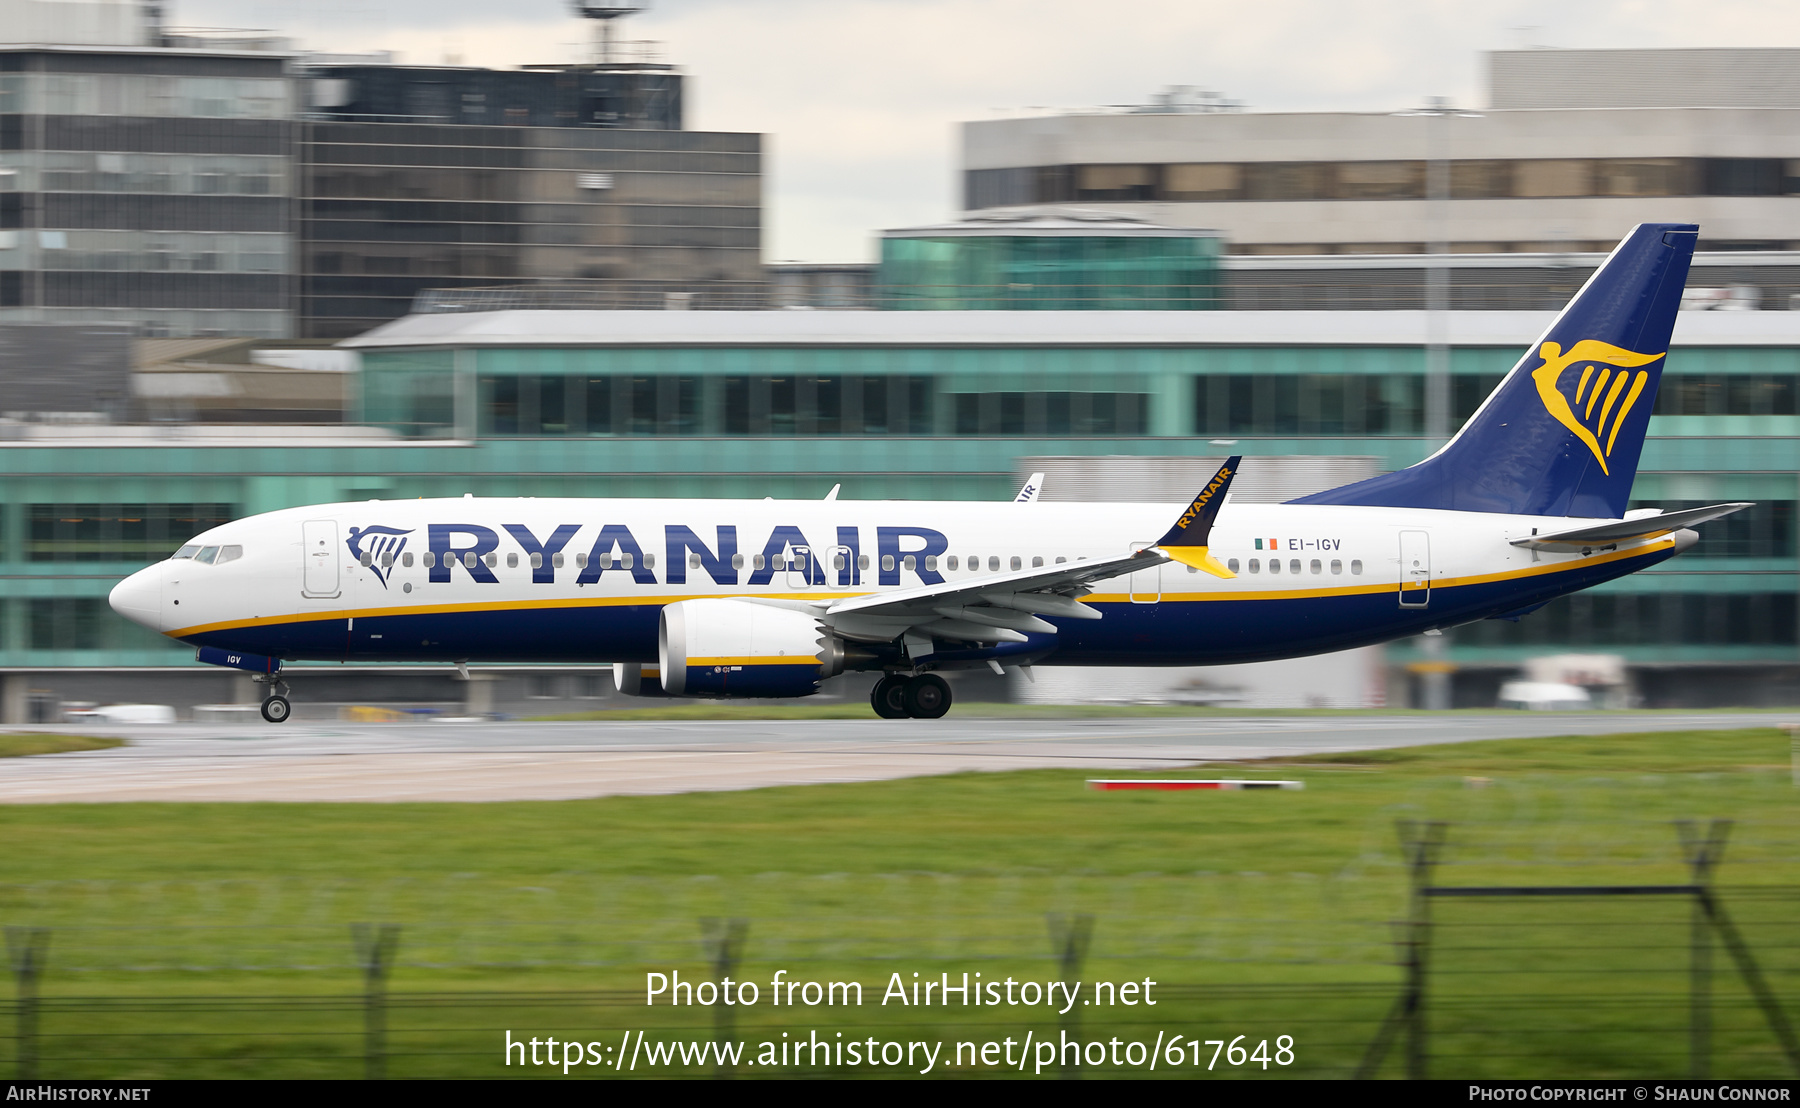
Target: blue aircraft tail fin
[(1562, 433)]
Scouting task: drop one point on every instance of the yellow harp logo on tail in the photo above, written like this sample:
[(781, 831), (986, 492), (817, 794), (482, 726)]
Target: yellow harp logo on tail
[(1603, 396)]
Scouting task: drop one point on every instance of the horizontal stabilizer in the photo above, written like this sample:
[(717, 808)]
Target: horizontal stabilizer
[(1644, 527)]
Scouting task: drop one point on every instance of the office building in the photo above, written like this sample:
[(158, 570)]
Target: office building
[(441, 178), (148, 186), (1576, 147)]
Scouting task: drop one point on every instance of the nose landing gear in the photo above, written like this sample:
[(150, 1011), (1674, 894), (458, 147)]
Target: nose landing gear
[(275, 706), (898, 696)]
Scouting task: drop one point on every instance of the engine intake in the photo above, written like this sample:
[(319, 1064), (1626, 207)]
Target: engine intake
[(633, 679), (730, 648)]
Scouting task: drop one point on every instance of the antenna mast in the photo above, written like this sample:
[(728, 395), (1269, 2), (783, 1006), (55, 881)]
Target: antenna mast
[(603, 15)]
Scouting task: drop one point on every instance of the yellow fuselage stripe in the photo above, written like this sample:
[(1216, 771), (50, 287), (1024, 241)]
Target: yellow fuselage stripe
[(1542, 570)]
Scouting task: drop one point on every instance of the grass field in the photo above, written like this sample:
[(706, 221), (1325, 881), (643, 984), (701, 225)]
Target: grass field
[(19, 745), (174, 928)]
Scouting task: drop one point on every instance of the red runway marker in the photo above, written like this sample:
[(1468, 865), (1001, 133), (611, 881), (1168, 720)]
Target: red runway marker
[(1157, 783)]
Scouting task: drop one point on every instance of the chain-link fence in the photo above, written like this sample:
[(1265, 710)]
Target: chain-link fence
[(1071, 975)]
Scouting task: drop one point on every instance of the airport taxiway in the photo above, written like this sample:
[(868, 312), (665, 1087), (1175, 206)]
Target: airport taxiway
[(489, 761)]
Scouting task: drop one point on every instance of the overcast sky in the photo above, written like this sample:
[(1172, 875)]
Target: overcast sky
[(860, 98)]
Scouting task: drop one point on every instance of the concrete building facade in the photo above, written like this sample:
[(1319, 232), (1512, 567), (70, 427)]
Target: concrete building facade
[(1551, 167)]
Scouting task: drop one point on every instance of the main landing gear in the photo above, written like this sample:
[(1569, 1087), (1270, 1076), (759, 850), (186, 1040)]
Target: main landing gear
[(898, 696), (275, 706)]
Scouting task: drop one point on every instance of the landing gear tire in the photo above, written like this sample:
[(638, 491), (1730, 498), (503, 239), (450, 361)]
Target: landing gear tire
[(276, 709), (927, 697), (889, 696)]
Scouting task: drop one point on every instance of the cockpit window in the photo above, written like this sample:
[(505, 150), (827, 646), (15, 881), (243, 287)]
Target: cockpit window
[(206, 555), (229, 554), (187, 551)]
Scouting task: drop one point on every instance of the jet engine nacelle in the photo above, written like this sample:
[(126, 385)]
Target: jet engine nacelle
[(633, 679), (740, 648)]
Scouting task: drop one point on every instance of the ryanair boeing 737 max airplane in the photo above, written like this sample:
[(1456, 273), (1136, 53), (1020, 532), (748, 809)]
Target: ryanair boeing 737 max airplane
[(733, 598)]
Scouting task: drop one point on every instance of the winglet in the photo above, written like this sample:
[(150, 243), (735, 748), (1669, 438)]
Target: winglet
[(1029, 494), (1186, 542)]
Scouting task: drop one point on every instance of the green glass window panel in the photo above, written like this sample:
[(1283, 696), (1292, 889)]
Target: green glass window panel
[(135, 533), (1316, 403), (87, 623), (1765, 530), (411, 392), (1047, 272), (1689, 393), (1603, 619)]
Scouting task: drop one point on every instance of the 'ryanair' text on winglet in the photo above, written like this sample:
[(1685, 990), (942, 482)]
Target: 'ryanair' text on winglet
[(1187, 541)]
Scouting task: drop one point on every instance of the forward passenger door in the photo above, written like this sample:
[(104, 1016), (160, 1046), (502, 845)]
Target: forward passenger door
[(319, 548)]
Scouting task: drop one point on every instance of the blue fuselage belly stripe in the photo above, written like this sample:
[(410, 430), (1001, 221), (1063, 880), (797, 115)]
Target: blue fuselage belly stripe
[(1176, 632)]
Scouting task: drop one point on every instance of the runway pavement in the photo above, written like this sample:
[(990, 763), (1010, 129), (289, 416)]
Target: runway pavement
[(479, 761)]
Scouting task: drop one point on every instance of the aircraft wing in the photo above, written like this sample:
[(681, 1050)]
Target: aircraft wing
[(1643, 527), (998, 607), (1002, 607)]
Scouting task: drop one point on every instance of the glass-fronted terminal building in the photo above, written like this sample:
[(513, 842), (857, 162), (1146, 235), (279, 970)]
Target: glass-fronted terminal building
[(919, 405)]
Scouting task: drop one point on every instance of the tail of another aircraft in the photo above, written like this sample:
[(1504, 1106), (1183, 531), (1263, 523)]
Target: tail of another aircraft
[(1562, 433)]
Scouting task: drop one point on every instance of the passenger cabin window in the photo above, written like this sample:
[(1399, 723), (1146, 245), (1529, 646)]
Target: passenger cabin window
[(1337, 567), (954, 564), (1255, 565), (1356, 565), (1232, 565), (1274, 565), (406, 559), (1294, 565)]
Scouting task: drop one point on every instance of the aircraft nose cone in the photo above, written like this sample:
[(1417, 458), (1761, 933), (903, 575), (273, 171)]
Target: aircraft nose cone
[(139, 597)]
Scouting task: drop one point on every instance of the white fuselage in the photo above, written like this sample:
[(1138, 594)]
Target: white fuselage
[(1308, 578)]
